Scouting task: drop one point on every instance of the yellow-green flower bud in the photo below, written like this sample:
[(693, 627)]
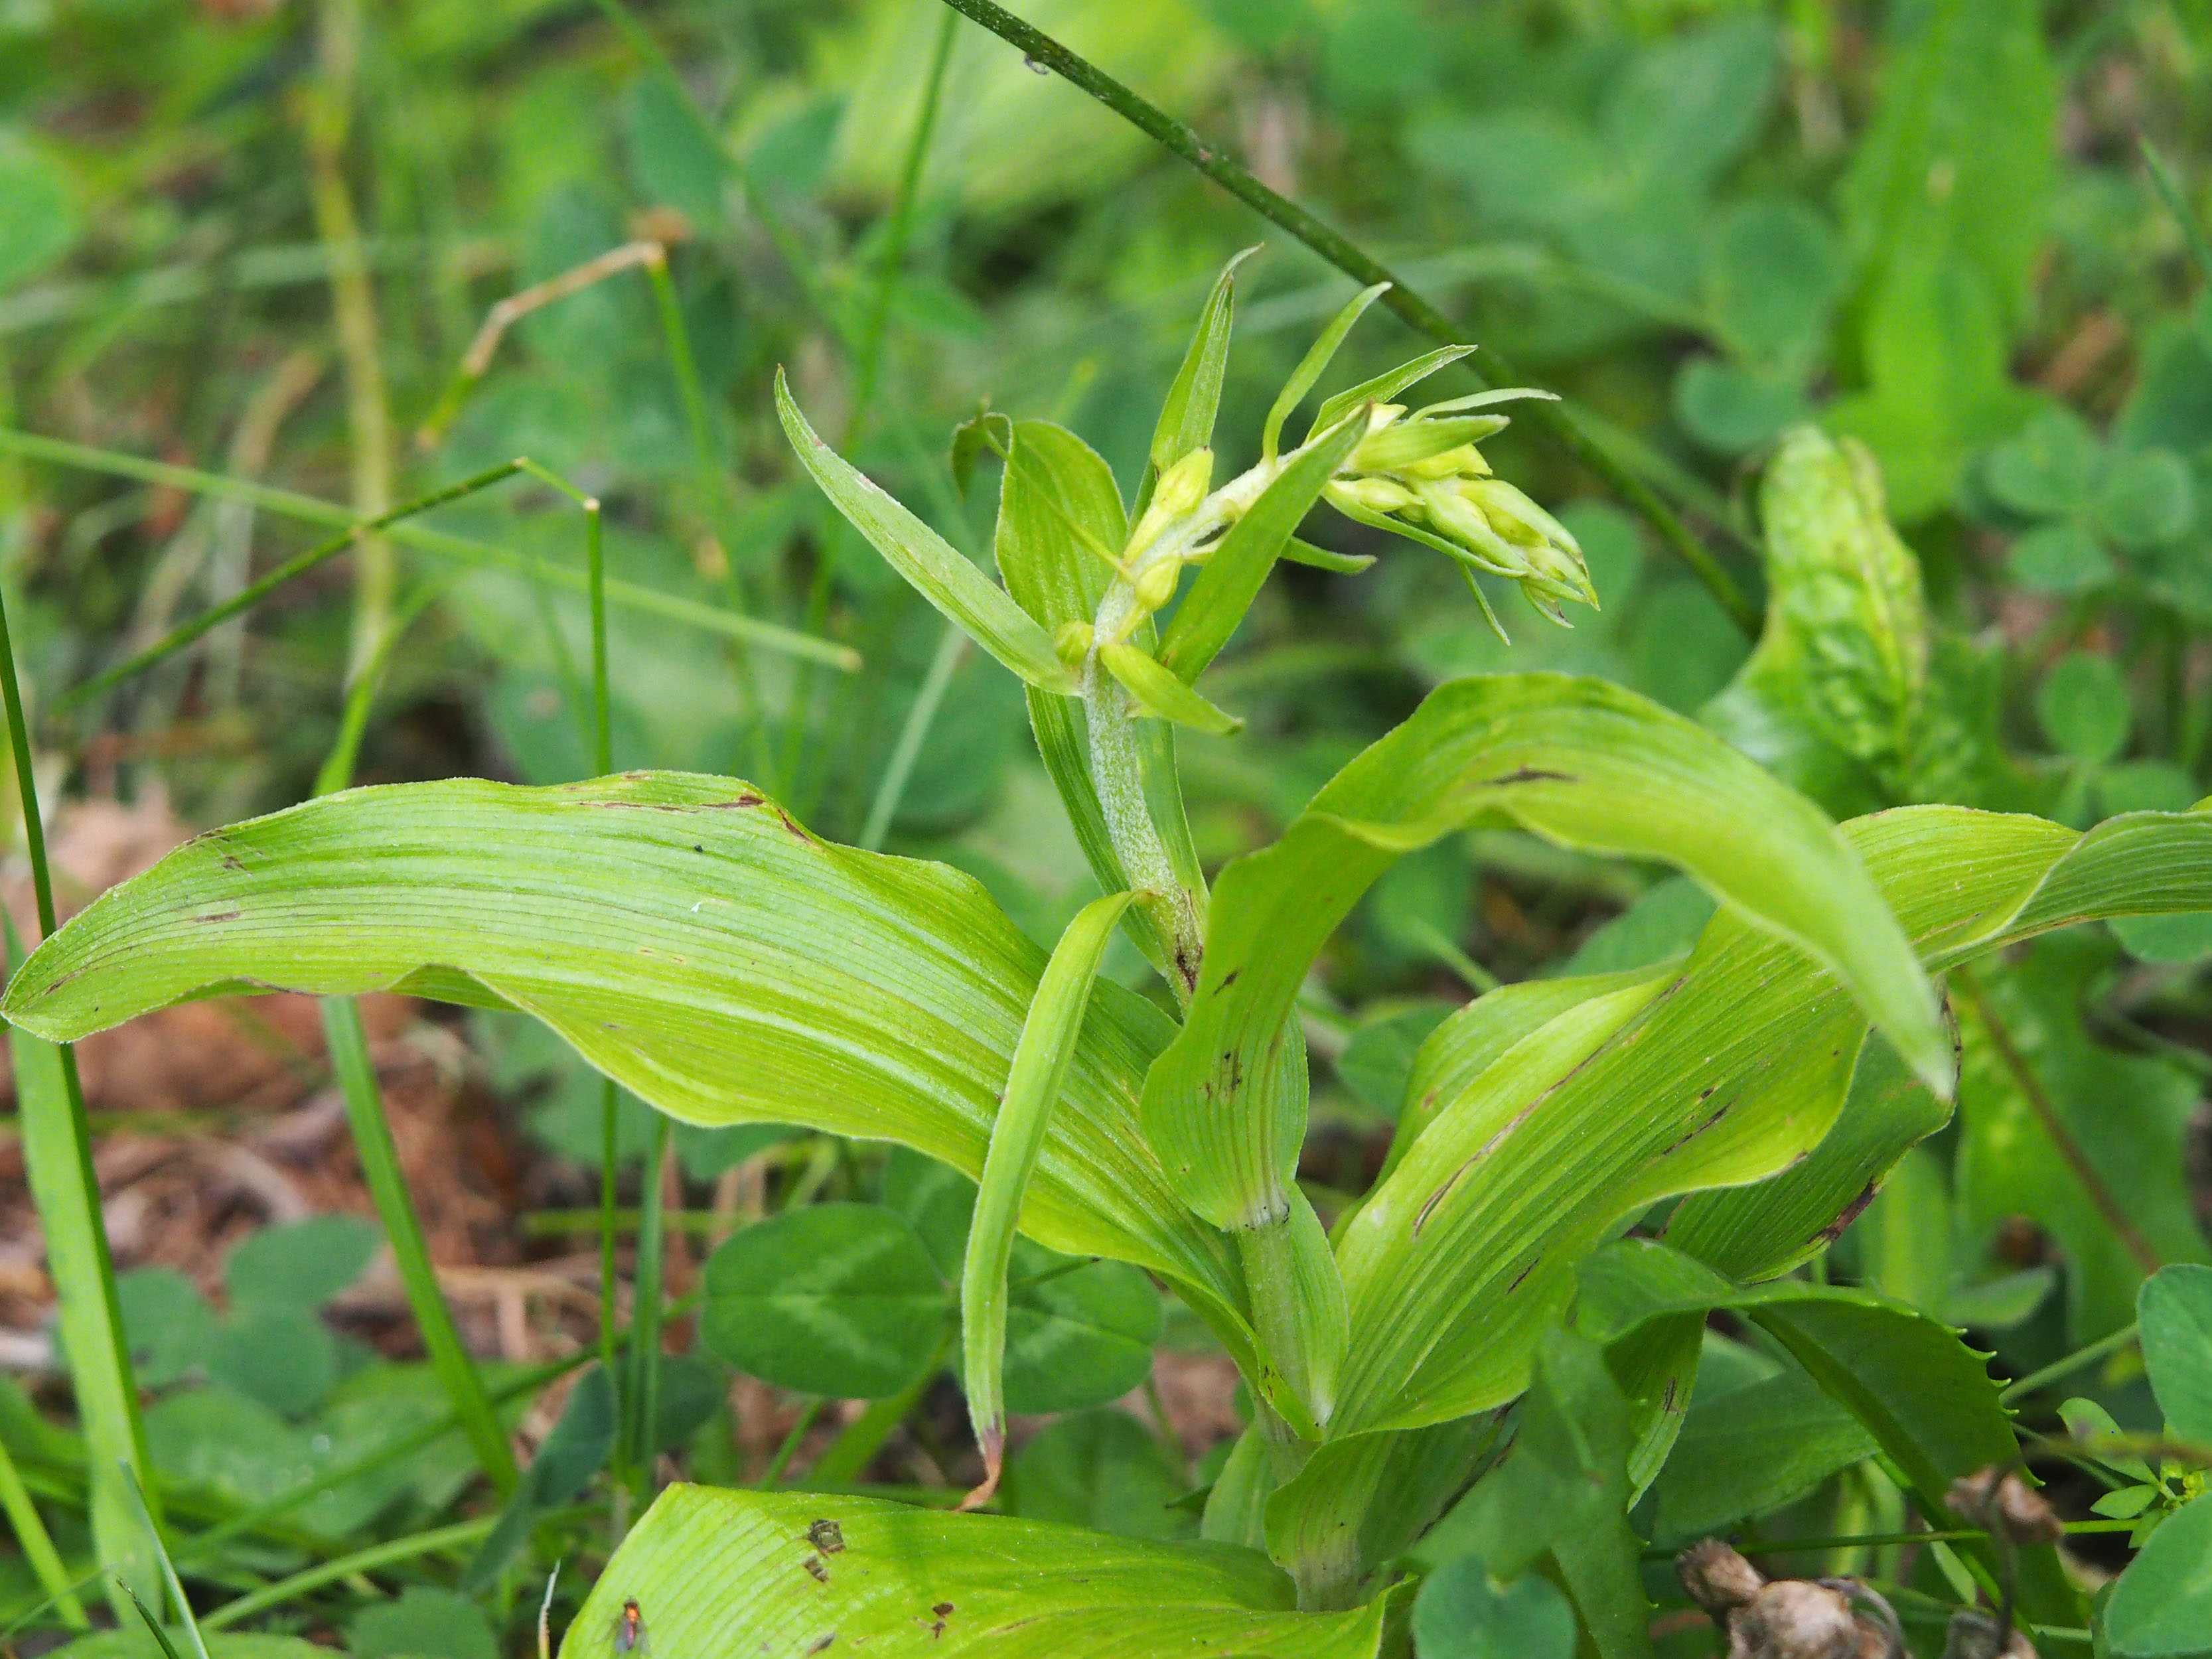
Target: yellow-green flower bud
[(1514, 516), (1072, 643), (1461, 461), (1179, 491), (1158, 584), (1375, 494)]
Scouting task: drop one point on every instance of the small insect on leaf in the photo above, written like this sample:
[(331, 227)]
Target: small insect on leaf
[(630, 1632), (826, 1536)]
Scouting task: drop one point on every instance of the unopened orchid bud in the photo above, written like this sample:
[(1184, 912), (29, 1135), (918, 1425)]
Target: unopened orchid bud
[(1158, 584), (1179, 491), (1461, 461), (1072, 643), (1374, 494)]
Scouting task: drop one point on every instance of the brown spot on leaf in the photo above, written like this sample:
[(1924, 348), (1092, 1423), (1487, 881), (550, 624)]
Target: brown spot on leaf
[(822, 1642), (1529, 774), (221, 916), (816, 1570), (1852, 1213)]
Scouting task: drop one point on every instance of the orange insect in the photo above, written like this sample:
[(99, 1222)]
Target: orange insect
[(630, 1632)]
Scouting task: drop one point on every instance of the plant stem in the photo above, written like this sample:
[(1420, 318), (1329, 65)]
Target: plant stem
[(2073, 1362), (857, 1444), (475, 554), (869, 365), (920, 714), (387, 1185), (2039, 1100), (37, 1547), (353, 301), (1416, 313), (345, 1566), (1117, 769), (642, 1399), (781, 1460), (56, 1144)]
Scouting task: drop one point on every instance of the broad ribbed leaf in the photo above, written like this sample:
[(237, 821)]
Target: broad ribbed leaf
[(691, 941), (1735, 1071), (1580, 761), (729, 1575), (1233, 574), (930, 564)]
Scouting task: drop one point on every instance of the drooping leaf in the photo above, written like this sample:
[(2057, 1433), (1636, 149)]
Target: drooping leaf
[(936, 571), (1312, 365), (1736, 1069), (672, 928), (1580, 761), (717, 1573), (1035, 1080), (829, 1299), (1232, 575)]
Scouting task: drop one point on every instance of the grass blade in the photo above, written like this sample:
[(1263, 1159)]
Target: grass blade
[(439, 544), (177, 1597), (387, 1185), (37, 1546), (388, 1554), (57, 1144), (1034, 1083)]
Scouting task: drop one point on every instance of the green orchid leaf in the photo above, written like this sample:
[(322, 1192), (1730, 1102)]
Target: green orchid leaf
[(1186, 421), (835, 1300), (1313, 364), (1385, 387), (1159, 693), (1232, 575), (2162, 1604), (690, 939), (1035, 1081), (1739, 1066), (2176, 1310), (719, 1574), (963, 594), (1580, 761)]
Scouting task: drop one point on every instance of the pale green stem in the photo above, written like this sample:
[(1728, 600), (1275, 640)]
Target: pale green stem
[(37, 1547)]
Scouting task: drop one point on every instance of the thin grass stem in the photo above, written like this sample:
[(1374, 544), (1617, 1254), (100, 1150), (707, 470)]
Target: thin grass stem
[(37, 1545), (465, 550), (914, 732), (641, 1401), (2079, 1359), (389, 1553), (781, 1460)]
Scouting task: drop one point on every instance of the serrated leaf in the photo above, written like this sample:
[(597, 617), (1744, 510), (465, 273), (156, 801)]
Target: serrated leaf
[(1312, 365), (962, 594), (1233, 574), (1035, 1081), (690, 939), (718, 1573), (836, 1300), (1158, 692)]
